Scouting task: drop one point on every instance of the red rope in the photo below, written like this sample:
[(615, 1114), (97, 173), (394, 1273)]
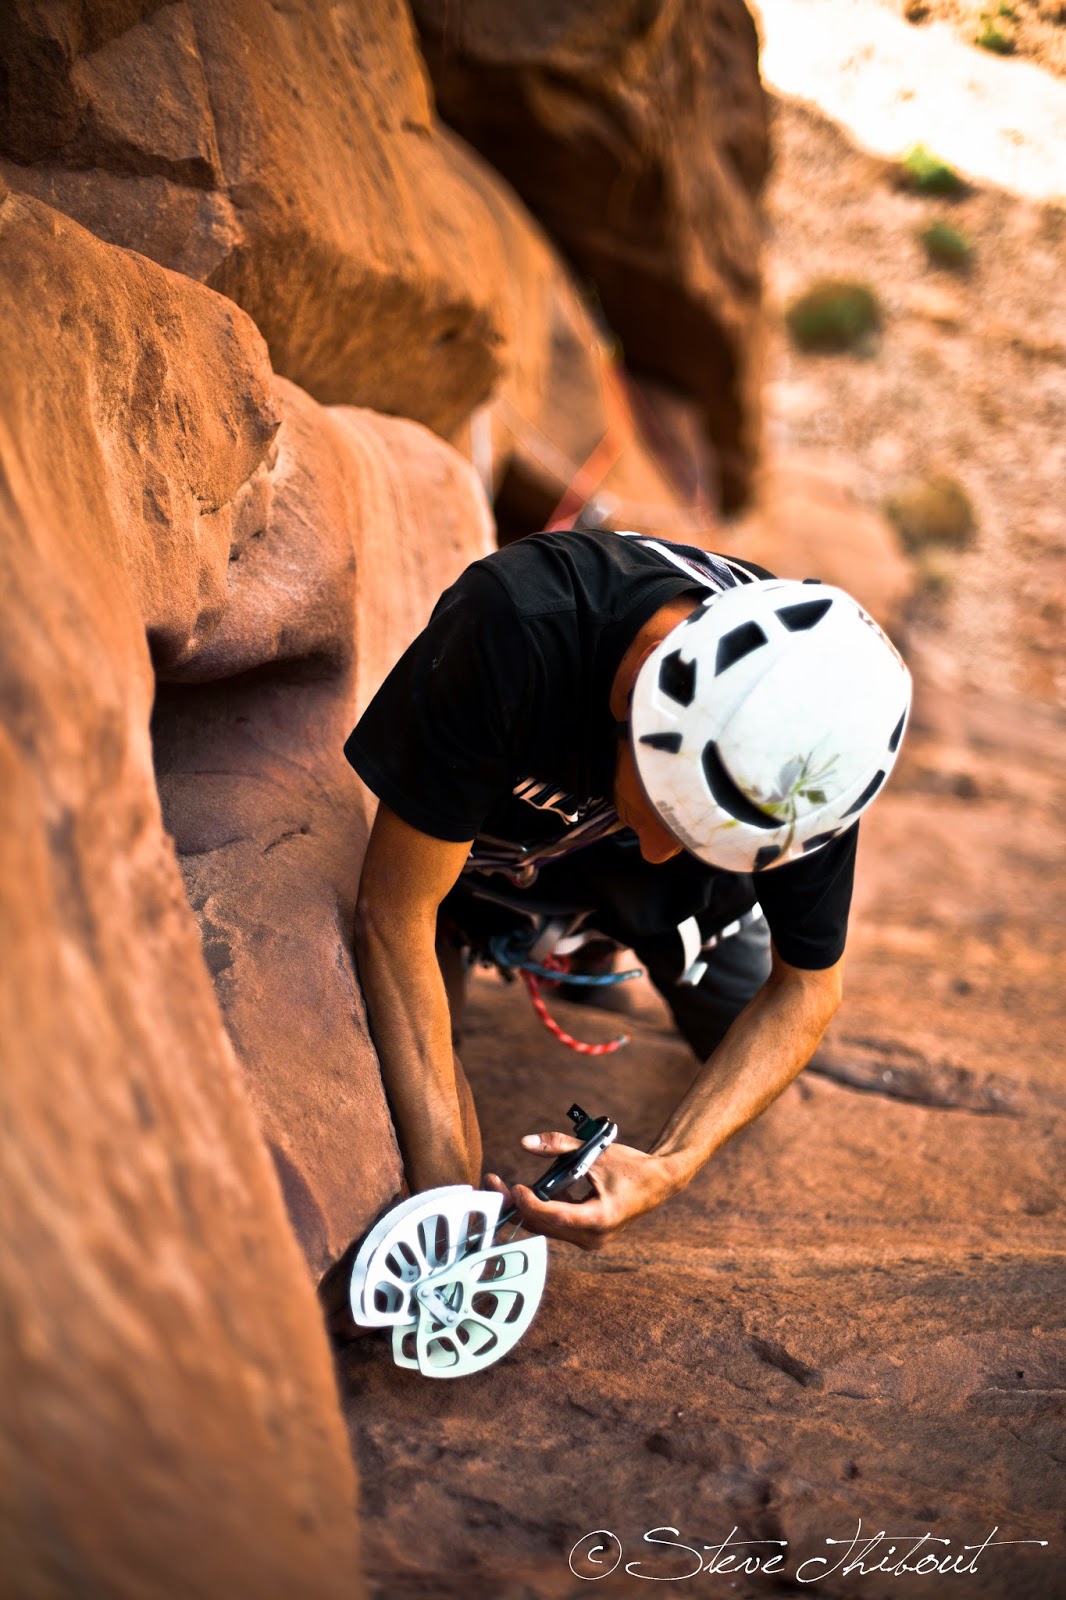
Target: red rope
[(588, 479), (592, 473), (533, 984)]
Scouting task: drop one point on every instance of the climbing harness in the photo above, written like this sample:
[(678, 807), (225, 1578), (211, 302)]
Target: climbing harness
[(432, 1271), (542, 960)]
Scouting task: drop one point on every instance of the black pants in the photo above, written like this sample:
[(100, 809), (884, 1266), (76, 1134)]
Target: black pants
[(737, 968), (636, 906)]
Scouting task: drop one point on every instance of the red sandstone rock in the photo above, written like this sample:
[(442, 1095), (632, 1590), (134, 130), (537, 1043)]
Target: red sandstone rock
[(564, 420), (171, 1423), (637, 135), (371, 518), (285, 157)]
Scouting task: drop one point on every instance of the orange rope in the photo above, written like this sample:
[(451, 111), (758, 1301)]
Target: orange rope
[(694, 518), (589, 477), (586, 481)]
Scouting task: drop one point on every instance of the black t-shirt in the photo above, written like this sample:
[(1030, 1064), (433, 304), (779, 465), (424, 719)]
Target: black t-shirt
[(495, 726)]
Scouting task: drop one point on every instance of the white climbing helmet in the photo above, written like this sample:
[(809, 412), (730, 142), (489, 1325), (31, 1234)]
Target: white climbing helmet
[(765, 723)]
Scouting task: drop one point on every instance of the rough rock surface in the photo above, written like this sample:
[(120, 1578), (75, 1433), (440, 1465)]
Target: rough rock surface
[(636, 133), (171, 1420), (565, 431), (854, 1312), (370, 518), (283, 155)]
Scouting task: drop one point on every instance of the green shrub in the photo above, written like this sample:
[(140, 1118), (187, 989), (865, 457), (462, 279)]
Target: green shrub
[(992, 38), (926, 172), (932, 512), (834, 314), (946, 246)]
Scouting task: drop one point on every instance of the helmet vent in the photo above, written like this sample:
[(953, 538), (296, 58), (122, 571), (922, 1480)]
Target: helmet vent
[(677, 678), (736, 644), (727, 793), (804, 615), (662, 741), (819, 839), (897, 735), (766, 855), (867, 794)]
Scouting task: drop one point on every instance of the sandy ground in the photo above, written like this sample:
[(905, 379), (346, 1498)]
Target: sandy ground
[(998, 119), (1031, 29), (857, 1313), (968, 377)]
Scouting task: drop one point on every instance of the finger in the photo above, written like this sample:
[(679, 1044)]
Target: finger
[(583, 1225), (582, 1214), (497, 1185), (550, 1143)]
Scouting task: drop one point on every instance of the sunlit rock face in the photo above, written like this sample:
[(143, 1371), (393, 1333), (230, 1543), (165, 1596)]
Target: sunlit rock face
[(284, 155), (227, 230), (637, 135), (566, 432), (173, 1425), (370, 518)]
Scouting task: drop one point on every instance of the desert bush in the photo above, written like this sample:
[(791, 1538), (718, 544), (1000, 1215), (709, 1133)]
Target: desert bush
[(924, 171), (934, 513), (946, 246), (992, 38), (834, 314)]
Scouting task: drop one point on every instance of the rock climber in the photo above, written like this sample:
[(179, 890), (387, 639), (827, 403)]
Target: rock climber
[(607, 736)]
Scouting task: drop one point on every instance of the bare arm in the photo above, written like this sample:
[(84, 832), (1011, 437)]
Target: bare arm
[(767, 1046), (406, 875), (769, 1043)]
